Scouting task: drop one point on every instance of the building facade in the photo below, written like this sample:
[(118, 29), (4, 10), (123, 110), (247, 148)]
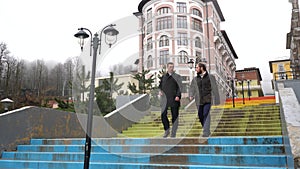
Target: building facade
[(248, 83), (281, 70), (181, 31), (293, 39), (125, 79)]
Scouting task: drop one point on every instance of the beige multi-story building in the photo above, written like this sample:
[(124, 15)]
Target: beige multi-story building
[(180, 31), (125, 79)]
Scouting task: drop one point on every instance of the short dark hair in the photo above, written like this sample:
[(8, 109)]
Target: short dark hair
[(170, 63), (202, 65)]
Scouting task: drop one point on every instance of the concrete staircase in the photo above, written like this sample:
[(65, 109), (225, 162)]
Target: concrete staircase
[(215, 152), (257, 120), (244, 137)]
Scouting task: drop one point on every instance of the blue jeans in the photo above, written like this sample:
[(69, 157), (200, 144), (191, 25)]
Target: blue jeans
[(204, 118)]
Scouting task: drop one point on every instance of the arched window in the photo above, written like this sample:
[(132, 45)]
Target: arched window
[(163, 10), (183, 57), (149, 43), (196, 12), (149, 61), (197, 42), (163, 41)]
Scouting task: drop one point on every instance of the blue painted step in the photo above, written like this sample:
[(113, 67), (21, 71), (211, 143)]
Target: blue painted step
[(236, 140), (213, 152), (70, 165), (196, 159), (192, 149)]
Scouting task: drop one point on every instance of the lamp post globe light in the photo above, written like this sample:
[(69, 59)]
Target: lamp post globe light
[(191, 63), (110, 38)]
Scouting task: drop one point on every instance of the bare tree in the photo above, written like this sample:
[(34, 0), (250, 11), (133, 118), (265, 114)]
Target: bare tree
[(4, 53)]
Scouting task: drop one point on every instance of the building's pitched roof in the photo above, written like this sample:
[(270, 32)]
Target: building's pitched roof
[(274, 61), (229, 43), (251, 69)]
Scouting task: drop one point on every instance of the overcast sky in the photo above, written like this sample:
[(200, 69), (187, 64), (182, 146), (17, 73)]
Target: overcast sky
[(44, 29)]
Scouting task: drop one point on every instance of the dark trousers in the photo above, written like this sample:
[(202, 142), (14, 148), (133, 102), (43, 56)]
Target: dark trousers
[(165, 120), (204, 118)]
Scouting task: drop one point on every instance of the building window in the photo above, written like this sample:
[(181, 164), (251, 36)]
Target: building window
[(149, 14), (163, 57), (198, 57), (197, 12), (163, 41), (181, 22), (149, 28), (164, 23), (182, 39), (198, 42), (197, 25), (181, 7), (281, 68), (183, 57), (149, 61), (163, 10), (281, 71), (149, 44)]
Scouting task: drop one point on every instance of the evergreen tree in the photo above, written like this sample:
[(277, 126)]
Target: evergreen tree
[(104, 99), (145, 84)]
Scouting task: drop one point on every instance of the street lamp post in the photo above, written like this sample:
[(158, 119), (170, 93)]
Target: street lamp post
[(243, 76), (191, 65), (140, 15), (249, 91), (232, 80), (108, 30), (232, 88), (242, 82), (207, 34)]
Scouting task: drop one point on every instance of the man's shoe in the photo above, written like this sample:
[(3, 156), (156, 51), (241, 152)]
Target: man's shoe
[(166, 134), (206, 135), (173, 135)]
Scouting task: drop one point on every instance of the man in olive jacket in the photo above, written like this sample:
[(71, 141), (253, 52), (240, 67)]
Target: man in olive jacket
[(170, 92), (201, 90)]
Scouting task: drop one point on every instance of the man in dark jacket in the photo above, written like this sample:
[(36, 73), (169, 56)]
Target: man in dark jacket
[(170, 92), (201, 90)]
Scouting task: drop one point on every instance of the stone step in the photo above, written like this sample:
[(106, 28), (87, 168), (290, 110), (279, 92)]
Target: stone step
[(183, 159), (224, 112), (214, 121), (192, 130), (266, 149), (156, 135), (18, 164), (162, 141), (197, 125)]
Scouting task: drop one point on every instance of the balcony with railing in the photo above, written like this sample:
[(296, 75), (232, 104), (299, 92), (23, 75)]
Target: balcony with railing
[(287, 75)]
